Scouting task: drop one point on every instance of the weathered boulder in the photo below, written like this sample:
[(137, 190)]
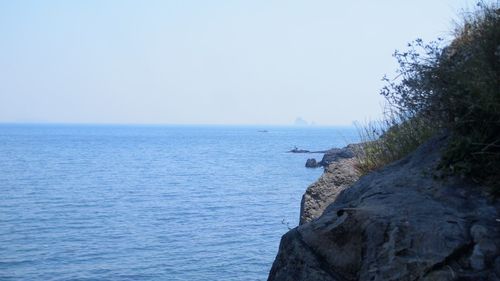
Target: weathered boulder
[(311, 163), (337, 176), (335, 154), (398, 223)]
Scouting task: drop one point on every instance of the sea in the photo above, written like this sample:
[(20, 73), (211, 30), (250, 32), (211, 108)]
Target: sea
[(151, 202)]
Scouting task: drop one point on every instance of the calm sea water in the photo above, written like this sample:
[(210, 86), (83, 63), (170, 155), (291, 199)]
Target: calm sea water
[(150, 202)]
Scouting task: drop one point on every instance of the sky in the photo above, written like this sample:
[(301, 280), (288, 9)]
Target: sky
[(206, 62)]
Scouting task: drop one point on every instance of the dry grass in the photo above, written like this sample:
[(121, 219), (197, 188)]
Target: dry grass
[(390, 139)]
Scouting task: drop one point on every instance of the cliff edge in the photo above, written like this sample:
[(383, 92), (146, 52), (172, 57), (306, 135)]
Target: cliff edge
[(398, 223), (339, 174)]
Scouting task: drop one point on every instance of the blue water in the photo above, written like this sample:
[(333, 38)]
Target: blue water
[(85, 202)]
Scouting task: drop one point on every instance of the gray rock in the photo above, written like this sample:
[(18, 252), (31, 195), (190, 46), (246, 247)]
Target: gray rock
[(484, 246), (497, 267), (311, 163), (336, 154), (337, 176), (398, 223)]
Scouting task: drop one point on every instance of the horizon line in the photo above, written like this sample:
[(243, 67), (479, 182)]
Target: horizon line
[(170, 124)]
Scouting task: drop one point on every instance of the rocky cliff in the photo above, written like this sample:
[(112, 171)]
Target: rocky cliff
[(338, 175), (398, 223)]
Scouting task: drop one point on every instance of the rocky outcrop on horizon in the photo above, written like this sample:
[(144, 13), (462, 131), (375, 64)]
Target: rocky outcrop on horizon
[(401, 222)]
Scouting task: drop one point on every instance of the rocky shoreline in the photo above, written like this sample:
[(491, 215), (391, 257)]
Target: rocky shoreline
[(333, 155), (336, 177), (402, 222)]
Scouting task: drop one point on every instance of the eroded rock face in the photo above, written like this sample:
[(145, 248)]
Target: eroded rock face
[(337, 176), (398, 223), (336, 154)]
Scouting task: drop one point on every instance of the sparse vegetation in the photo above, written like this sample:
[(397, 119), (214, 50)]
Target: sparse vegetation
[(390, 139), (454, 88)]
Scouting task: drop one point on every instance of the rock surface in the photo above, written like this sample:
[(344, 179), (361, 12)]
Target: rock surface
[(337, 176), (311, 163), (398, 223), (334, 155)]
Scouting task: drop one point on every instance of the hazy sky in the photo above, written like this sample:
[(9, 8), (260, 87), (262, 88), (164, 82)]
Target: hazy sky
[(209, 62)]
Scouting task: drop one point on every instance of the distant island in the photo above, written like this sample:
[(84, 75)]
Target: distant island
[(299, 121)]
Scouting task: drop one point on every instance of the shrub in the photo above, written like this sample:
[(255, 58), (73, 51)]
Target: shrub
[(456, 88)]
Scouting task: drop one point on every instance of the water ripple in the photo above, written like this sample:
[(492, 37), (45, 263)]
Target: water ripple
[(149, 203)]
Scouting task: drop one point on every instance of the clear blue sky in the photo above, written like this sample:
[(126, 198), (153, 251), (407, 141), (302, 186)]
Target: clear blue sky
[(206, 62)]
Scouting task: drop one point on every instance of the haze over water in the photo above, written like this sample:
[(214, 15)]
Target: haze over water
[(183, 202)]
